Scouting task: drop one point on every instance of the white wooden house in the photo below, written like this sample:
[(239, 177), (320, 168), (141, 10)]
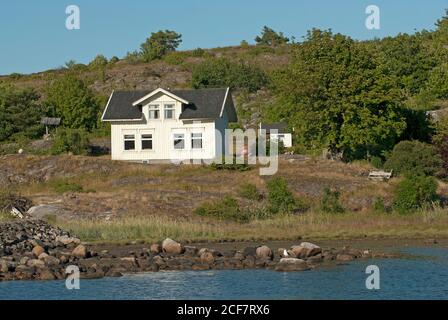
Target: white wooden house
[(165, 125)]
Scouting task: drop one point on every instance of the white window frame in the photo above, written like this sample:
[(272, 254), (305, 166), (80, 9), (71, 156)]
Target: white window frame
[(127, 137), (174, 140), (153, 108), (169, 107), (193, 138), (142, 138)]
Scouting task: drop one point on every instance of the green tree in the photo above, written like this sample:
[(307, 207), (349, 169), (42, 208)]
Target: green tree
[(159, 44), (271, 38), (336, 97), (20, 113), (73, 101)]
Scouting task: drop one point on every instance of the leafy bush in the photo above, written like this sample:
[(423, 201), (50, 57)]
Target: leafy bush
[(377, 162), (198, 52), (230, 166), (225, 209), (414, 157), (133, 57), (221, 72), (330, 201), (414, 192), (175, 58), (281, 199), (70, 140), (250, 191)]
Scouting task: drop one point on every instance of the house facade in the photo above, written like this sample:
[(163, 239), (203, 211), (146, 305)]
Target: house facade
[(166, 125)]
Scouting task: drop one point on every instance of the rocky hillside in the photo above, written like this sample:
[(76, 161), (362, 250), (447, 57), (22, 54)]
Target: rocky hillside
[(168, 73)]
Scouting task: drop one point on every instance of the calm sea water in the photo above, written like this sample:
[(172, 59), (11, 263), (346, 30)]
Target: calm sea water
[(422, 277)]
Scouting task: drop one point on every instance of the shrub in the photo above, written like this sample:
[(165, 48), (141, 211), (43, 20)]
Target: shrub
[(174, 58), (414, 192), (226, 209), (377, 162), (63, 186), (198, 52), (230, 166), (222, 72), (414, 157), (249, 191), (281, 199), (70, 140), (330, 201)]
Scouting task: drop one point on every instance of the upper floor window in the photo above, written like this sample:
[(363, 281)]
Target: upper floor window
[(153, 111), (146, 141), (196, 141), (129, 142), (169, 111), (179, 141)]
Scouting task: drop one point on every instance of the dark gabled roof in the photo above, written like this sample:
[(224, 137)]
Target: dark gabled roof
[(120, 106), (203, 104), (280, 126)]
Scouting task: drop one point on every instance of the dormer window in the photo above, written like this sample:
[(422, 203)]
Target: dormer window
[(154, 111), (169, 111)]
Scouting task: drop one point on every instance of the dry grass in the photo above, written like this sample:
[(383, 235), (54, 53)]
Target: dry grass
[(313, 225)]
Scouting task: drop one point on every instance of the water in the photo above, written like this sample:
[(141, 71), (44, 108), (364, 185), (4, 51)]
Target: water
[(422, 277)]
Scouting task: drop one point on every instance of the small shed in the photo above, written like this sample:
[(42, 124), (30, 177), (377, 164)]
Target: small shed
[(282, 133), (46, 121)]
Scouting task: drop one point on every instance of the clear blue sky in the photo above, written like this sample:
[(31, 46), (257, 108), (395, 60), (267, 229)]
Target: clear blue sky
[(34, 37)]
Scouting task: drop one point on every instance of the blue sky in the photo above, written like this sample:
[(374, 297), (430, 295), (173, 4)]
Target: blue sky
[(34, 37)]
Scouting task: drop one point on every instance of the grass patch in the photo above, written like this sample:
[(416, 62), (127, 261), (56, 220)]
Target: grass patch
[(311, 225)]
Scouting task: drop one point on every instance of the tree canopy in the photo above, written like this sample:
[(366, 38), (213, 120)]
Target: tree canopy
[(73, 101), (159, 44), (20, 113), (270, 37)]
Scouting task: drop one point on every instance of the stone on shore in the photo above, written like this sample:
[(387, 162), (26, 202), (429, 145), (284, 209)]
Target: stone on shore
[(38, 250), (345, 257), (66, 240), (311, 249), (291, 264), (155, 248), (264, 252), (172, 247), (80, 251)]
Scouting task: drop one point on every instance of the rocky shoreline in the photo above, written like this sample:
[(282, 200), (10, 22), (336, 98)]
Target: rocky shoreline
[(34, 250)]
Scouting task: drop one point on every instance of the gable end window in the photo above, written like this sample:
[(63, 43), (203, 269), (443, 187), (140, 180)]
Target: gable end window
[(153, 111), (146, 141), (129, 142), (179, 141), (169, 111), (196, 141)]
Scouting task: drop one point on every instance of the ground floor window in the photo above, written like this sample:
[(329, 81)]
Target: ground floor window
[(196, 141), (129, 142), (146, 141), (179, 141)]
